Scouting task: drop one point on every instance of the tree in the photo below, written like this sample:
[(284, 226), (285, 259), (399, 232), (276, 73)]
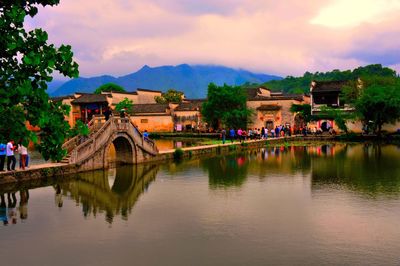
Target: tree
[(171, 96), (302, 84), (27, 64), (379, 103), (227, 105), (339, 116), (303, 109), (125, 104), (109, 87)]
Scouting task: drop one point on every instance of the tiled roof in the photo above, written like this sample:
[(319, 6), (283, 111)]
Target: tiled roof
[(269, 107), (146, 90), (120, 92), (194, 105), (328, 86), (149, 108), (61, 98), (91, 98)]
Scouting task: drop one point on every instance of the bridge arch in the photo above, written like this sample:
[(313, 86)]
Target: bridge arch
[(92, 153), (125, 150)]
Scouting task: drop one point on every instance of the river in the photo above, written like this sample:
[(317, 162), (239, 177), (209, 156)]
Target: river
[(290, 205)]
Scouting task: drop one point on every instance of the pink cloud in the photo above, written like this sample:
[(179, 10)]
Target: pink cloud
[(118, 37)]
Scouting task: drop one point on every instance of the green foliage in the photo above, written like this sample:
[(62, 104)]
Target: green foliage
[(27, 64), (379, 102), (303, 109), (109, 87), (232, 147), (171, 96), (125, 104), (54, 130), (339, 116), (178, 154), (80, 128), (300, 85), (226, 105)]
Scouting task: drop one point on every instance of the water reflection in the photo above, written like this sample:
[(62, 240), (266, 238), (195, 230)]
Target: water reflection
[(365, 168), (113, 192), (8, 208), (369, 169), (226, 171)]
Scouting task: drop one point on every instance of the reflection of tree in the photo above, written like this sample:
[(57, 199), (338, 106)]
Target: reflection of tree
[(370, 169), (226, 171), (96, 195)]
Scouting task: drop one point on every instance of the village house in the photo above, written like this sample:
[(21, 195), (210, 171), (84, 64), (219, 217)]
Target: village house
[(187, 116), (272, 109), (327, 94)]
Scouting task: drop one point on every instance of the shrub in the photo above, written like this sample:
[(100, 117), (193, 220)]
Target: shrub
[(178, 154)]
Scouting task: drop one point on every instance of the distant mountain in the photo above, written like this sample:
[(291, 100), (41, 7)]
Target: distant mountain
[(192, 80)]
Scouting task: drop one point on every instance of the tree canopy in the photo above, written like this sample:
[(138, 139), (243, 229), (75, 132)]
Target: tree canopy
[(300, 85), (227, 105), (109, 87), (171, 96), (27, 64), (125, 104), (378, 102)]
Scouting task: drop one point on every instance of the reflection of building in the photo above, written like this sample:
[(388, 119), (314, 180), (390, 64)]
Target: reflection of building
[(272, 108)]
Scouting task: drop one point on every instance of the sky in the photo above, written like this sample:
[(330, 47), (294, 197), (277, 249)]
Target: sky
[(287, 37)]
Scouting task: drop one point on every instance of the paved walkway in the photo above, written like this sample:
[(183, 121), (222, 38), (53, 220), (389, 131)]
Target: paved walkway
[(35, 167)]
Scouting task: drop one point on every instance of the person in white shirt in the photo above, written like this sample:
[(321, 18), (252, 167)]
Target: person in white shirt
[(23, 151), (11, 161)]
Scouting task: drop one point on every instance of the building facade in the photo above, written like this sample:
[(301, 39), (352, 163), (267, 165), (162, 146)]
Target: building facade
[(271, 109)]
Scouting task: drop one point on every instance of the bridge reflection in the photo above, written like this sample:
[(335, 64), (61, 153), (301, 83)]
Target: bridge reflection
[(113, 192)]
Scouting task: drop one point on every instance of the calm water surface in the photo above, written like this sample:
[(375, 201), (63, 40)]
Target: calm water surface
[(330, 204)]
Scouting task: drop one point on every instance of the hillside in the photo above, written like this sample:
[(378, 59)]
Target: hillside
[(191, 79), (302, 84)]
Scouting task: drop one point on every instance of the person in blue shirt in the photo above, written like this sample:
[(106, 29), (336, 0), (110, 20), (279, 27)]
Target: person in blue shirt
[(3, 151), (232, 134), (146, 135)]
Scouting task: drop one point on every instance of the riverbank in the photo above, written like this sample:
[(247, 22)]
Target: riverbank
[(53, 170)]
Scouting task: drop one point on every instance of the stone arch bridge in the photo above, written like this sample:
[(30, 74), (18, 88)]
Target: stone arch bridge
[(91, 152)]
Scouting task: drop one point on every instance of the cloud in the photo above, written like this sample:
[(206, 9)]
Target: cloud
[(286, 37)]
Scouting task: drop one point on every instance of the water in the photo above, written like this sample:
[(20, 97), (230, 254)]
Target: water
[(320, 205), (169, 144)]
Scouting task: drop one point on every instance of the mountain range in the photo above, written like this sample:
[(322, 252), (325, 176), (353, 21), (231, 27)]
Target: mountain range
[(190, 79)]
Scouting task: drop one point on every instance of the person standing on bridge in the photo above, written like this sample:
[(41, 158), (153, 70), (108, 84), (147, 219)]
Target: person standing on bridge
[(11, 161), (3, 148), (145, 135), (23, 153), (107, 114), (122, 113)]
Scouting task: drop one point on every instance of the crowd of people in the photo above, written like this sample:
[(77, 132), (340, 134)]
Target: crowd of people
[(264, 133), (7, 154), (256, 133)]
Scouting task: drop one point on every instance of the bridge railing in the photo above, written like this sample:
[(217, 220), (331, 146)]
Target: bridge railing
[(125, 123), (99, 138), (145, 141), (94, 124)]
